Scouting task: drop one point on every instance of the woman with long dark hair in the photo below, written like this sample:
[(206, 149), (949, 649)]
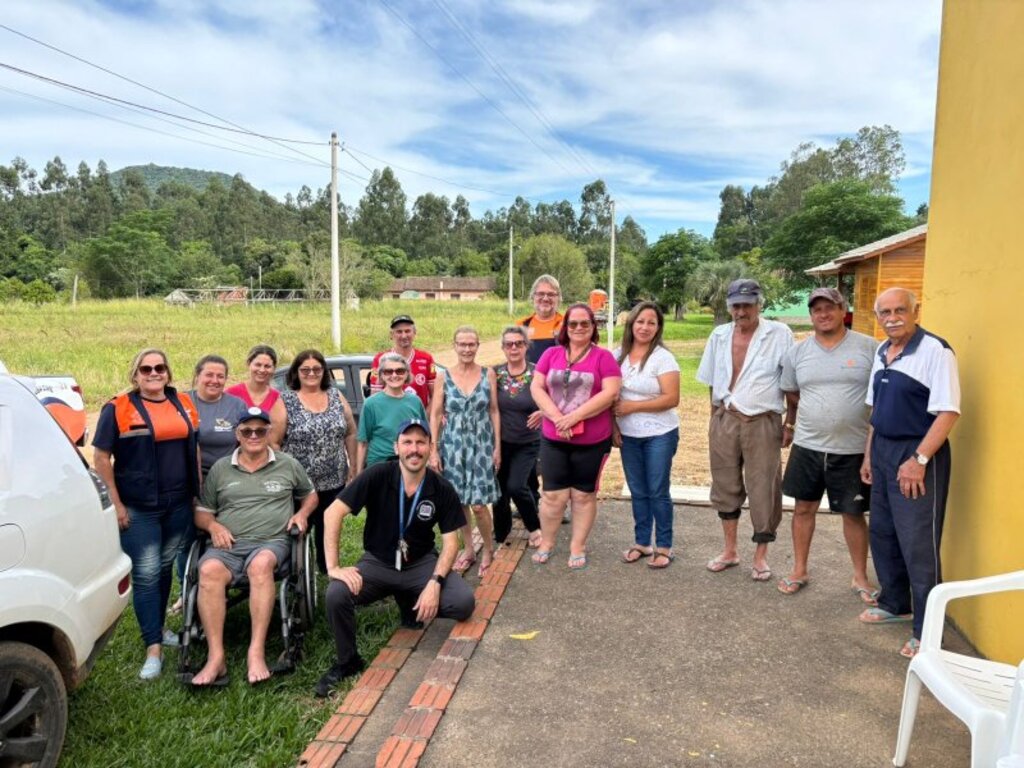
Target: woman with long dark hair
[(647, 431)]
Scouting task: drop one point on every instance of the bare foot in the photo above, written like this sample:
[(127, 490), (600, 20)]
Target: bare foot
[(209, 674), (258, 670), (535, 540)]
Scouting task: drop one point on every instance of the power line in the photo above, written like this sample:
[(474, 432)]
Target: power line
[(472, 85), (513, 86), (349, 150), (283, 143), (158, 131)]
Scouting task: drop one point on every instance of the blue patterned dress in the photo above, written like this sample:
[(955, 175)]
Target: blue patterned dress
[(467, 442)]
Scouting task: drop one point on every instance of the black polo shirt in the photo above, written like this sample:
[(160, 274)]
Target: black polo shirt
[(377, 490)]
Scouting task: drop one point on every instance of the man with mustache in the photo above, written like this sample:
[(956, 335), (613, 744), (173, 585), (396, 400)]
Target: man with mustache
[(404, 501), (915, 399)]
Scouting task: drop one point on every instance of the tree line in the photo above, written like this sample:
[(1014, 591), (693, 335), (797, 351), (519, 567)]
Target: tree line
[(125, 235)]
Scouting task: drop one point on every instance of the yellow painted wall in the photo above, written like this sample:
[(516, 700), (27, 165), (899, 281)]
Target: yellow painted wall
[(973, 272)]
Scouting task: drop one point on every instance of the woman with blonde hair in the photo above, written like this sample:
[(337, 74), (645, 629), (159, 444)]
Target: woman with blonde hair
[(467, 441)]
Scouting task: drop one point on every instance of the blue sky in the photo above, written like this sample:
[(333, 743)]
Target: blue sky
[(666, 101)]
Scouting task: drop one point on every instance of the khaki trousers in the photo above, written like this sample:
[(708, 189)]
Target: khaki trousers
[(746, 463)]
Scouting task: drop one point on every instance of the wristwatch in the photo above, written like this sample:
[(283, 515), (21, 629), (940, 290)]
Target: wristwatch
[(439, 579), (922, 459)]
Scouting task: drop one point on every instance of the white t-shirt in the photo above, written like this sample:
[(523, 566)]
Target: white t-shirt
[(643, 384)]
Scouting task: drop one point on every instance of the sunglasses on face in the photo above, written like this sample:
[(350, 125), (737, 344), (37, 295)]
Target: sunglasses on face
[(146, 370), (392, 371), (253, 431), (513, 344), (316, 371), (581, 324)]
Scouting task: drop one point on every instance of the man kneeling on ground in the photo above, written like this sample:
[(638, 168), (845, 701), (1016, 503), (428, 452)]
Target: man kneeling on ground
[(404, 500), (248, 507)]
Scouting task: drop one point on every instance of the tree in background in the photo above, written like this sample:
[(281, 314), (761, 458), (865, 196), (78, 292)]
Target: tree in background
[(709, 282), (430, 231), (554, 255), (381, 217), (667, 266), (832, 218)]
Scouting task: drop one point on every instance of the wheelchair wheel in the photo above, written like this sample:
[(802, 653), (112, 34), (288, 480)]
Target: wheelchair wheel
[(191, 629), (304, 573)]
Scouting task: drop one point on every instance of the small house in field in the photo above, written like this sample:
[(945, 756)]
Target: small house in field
[(442, 288), (863, 273)]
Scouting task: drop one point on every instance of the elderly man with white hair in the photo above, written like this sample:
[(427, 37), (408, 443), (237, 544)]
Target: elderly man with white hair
[(915, 399), (742, 366)]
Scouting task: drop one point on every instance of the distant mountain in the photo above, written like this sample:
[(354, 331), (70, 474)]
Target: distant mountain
[(155, 175)]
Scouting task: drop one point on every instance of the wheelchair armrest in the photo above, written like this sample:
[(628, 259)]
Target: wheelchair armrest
[(295, 532)]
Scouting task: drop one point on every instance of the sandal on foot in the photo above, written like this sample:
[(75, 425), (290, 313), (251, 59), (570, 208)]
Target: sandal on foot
[(463, 563), (541, 556), (717, 564), (483, 569), (760, 574), (867, 596), (665, 559), (789, 586), (882, 616), (640, 555), (535, 540), (910, 648), (577, 562)]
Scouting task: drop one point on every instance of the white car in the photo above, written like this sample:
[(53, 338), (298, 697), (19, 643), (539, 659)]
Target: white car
[(64, 580)]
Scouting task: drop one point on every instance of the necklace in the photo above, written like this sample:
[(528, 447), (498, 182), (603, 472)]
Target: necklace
[(570, 363)]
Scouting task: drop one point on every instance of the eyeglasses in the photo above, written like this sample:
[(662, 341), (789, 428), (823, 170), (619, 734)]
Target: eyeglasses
[(513, 344), (311, 371), (392, 371), (253, 431), (581, 324), (546, 295), (467, 345), (898, 311), (159, 368)]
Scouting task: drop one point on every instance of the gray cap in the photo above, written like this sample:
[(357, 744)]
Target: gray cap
[(743, 291), (824, 292)]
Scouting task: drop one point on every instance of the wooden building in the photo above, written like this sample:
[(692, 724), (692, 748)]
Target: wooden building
[(864, 272), (441, 288)]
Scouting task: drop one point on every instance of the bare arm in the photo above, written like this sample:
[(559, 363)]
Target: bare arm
[(788, 428), (436, 412), (669, 398), (539, 390), (492, 408), (938, 433), (911, 474), (865, 466), (205, 520), (105, 469), (278, 424), (598, 403), (301, 517), (350, 439), (430, 598), (360, 464)]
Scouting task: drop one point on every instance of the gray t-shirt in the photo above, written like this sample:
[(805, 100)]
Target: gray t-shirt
[(217, 422), (832, 383)]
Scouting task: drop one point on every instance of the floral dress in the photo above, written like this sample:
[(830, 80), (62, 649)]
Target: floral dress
[(467, 442), (317, 440)]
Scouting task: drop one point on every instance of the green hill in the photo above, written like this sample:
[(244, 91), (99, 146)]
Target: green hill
[(155, 175)]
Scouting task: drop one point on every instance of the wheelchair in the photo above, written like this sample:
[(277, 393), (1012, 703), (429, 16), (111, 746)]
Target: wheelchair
[(296, 601)]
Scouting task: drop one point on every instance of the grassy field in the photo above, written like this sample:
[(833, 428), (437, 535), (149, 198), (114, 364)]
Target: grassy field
[(116, 720)]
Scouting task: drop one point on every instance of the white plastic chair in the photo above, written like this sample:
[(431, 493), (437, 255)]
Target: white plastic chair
[(977, 691)]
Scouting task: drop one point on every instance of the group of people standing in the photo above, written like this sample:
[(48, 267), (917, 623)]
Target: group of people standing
[(244, 463)]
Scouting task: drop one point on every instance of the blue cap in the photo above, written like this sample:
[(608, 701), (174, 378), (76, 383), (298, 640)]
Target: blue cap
[(255, 413), (408, 424)]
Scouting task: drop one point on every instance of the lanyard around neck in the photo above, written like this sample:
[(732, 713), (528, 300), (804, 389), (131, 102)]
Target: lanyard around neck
[(403, 522)]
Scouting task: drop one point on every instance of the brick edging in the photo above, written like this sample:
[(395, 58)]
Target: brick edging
[(411, 734)]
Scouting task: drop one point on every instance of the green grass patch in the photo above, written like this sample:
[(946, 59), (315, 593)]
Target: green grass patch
[(118, 720)]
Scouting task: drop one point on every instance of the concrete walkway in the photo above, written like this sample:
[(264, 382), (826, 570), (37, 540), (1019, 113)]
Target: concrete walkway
[(681, 667)]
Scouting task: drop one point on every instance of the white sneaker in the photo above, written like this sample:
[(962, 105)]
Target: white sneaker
[(170, 639), (152, 668)]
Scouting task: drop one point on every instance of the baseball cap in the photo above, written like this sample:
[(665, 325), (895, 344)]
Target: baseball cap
[(408, 424), (824, 292), (743, 291), (400, 319), (255, 413)]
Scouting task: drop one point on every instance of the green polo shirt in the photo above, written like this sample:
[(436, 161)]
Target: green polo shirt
[(256, 506)]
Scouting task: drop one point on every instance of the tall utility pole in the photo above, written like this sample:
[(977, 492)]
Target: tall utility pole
[(511, 305), (611, 286), (335, 287)]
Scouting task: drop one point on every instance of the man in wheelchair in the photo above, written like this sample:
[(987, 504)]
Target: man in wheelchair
[(248, 508), (404, 500)]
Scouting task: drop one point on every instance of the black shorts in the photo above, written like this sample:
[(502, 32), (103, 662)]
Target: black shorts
[(565, 465), (809, 474)]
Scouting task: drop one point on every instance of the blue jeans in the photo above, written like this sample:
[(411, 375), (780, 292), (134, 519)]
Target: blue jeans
[(648, 465), (152, 540)]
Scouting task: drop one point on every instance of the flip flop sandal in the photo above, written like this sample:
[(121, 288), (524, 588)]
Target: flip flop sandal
[(222, 681), (717, 565), (910, 648), (463, 563), (668, 557), (640, 555), (789, 586), (882, 616), (577, 562), (867, 596), (760, 574), (541, 556)]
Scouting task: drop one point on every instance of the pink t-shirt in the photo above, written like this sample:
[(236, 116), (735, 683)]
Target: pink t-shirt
[(240, 390), (583, 382)]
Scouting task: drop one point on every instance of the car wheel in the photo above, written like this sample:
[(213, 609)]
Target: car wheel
[(33, 707)]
